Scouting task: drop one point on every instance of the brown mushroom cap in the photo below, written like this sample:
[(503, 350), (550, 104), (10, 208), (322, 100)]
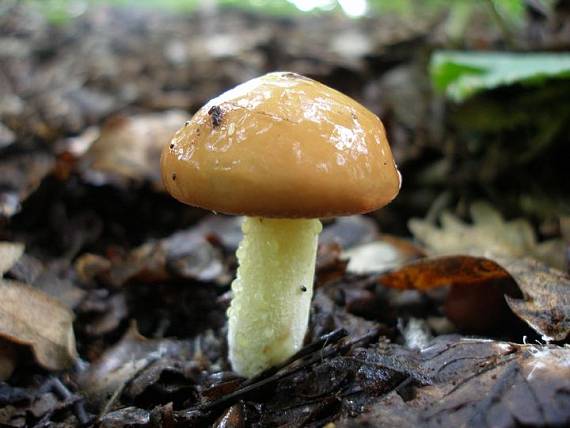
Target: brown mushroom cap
[(282, 145)]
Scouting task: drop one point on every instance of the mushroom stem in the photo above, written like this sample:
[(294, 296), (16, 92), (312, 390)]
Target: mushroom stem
[(269, 312)]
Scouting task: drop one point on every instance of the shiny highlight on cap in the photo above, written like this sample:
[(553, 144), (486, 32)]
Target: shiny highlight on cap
[(283, 146)]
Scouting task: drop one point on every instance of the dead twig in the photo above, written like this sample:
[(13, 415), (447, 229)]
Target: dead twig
[(325, 347)]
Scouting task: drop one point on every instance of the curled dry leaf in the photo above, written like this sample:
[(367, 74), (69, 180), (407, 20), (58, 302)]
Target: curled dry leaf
[(479, 284), (488, 235), (123, 362), (546, 304), (32, 318), (477, 287), (128, 148), (426, 274)]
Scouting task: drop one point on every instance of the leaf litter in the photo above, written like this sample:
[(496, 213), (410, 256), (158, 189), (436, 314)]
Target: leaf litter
[(477, 382), (128, 148), (507, 248), (489, 234), (388, 341), (32, 318)]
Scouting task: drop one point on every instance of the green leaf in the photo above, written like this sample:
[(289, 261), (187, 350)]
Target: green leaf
[(511, 11), (462, 74)]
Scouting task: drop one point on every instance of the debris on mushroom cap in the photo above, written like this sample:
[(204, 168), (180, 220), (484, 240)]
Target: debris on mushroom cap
[(282, 145)]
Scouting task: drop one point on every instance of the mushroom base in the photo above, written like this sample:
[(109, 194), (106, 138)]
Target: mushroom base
[(269, 313)]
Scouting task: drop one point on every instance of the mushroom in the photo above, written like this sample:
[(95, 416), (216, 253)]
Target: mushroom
[(283, 150)]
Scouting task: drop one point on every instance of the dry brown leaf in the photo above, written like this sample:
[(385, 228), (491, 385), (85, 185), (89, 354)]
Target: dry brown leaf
[(474, 383), (479, 284), (546, 306), (123, 362), (128, 148), (10, 252), (489, 235), (185, 254), (426, 274), (32, 318)]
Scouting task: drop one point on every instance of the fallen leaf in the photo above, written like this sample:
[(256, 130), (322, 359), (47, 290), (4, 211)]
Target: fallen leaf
[(49, 278), (546, 304), (326, 316), (90, 266), (26, 268), (349, 231), (127, 416), (32, 318), (168, 380), (186, 254), (233, 417), (472, 382), (488, 235), (22, 407), (105, 380), (195, 253), (128, 148), (330, 265), (112, 312), (20, 176), (8, 356), (381, 255), (477, 286), (225, 229), (462, 74), (427, 274), (10, 252)]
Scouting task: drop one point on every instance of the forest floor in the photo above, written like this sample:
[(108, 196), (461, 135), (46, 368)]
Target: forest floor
[(450, 307)]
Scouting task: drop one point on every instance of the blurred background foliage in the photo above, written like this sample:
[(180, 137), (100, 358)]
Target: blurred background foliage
[(511, 11), (473, 92)]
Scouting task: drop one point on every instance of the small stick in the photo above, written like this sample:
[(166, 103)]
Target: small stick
[(316, 354), (55, 385), (322, 342)]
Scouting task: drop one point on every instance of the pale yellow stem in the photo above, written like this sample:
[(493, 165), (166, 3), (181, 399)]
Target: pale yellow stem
[(269, 313)]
